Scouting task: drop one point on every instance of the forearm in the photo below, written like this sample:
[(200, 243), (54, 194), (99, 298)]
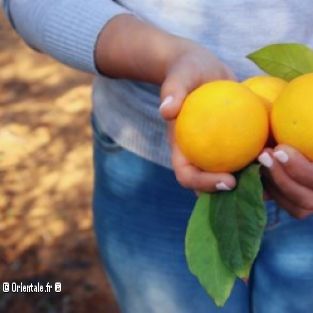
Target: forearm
[(130, 48)]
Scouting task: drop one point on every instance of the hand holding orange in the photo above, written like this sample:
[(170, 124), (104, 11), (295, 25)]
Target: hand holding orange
[(224, 125)]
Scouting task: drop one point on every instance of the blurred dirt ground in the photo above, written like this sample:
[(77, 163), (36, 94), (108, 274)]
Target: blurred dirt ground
[(45, 183)]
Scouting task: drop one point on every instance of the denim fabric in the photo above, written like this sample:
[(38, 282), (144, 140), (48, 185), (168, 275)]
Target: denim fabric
[(140, 217), (282, 280)]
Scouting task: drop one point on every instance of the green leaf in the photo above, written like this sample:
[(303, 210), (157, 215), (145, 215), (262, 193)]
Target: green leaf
[(203, 256), (238, 218), (286, 61)]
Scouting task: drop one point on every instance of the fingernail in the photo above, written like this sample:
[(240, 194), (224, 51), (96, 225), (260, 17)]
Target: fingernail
[(265, 159), (222, 186), (281, 156), (166, 102)]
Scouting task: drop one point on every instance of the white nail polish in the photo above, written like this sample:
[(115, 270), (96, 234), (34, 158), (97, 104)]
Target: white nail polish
[(166, 102), (265, 159), (222, 186), (281, 156)]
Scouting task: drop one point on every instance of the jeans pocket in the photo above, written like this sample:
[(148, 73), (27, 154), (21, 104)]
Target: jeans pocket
[(102, 140)]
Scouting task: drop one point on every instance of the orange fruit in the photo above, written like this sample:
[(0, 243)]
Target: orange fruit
[(222, 126), (267, 87), (292, 115)]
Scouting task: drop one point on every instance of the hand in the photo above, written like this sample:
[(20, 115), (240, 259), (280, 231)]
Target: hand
[(194, 67), (288, 178), (179, 64)]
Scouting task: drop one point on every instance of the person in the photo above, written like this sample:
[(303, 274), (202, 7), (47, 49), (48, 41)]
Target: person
[(144, 187)]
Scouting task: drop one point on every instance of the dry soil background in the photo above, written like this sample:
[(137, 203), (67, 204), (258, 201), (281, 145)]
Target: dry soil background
[(45, 183)]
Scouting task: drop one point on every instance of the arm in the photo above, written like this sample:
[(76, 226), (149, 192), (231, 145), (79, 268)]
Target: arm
[(97, 35), (127, 45), (67, 30), (130, 48), (180, 65)]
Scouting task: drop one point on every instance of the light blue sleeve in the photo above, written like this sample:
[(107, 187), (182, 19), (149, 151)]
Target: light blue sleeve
[(65, 29)]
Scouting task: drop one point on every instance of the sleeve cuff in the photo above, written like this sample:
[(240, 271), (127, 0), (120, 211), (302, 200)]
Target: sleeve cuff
[(72, 29)]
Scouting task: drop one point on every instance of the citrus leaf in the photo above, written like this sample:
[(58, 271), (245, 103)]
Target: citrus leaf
[(286, 61), (238, 218), (203, 256)]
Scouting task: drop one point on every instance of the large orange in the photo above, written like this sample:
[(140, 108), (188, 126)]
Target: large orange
[(292, 115), (222, 126)]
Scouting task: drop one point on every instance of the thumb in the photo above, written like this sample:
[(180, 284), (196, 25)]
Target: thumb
[(172, 97), (180, 81)]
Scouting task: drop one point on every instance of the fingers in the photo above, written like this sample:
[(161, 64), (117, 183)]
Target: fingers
[(193, 178), (290, 189), (295, 165), (283, 202)]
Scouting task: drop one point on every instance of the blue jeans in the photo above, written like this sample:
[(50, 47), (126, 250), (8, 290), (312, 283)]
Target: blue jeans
[(140, 218)]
